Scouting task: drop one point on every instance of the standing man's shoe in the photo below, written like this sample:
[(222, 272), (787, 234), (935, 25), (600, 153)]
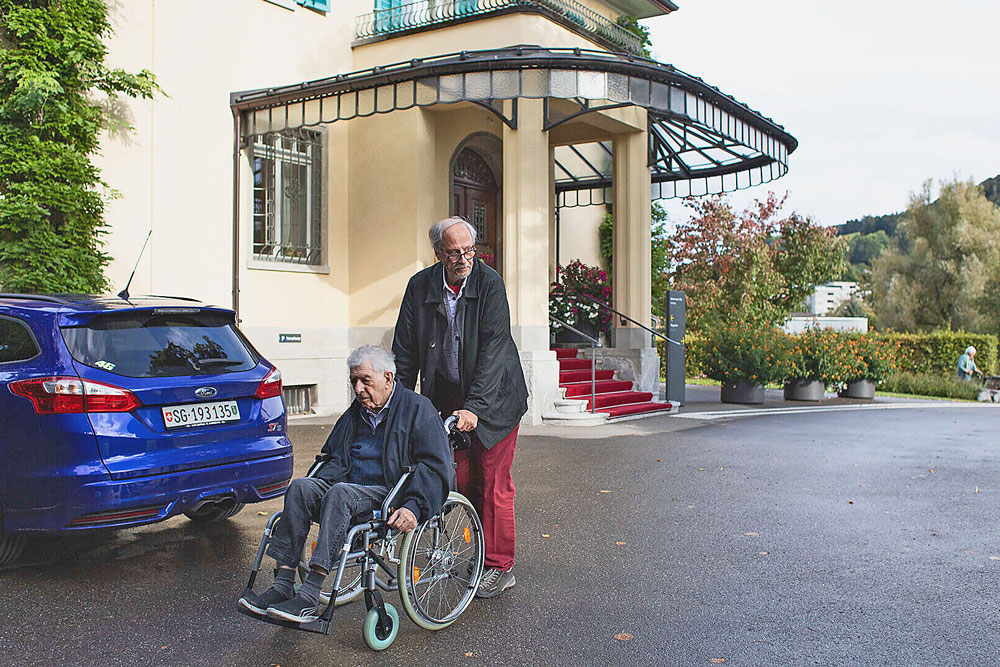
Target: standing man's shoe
[(494, 582)]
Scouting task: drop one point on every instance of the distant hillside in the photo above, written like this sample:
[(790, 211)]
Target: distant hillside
[(869, 236), (991, 186), (870, 224), (887, 222)]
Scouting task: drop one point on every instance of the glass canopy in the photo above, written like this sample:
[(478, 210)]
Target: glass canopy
[(701, 140)]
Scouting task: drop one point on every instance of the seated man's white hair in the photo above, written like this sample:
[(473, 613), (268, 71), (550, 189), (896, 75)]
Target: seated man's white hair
[(380, 358), (437, 230)]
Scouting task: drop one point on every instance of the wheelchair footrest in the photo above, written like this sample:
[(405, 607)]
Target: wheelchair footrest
[(319, 626)]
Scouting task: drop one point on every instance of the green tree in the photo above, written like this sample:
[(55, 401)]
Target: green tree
[(51, 205), (941, 277), (632, 24), (754, 266)]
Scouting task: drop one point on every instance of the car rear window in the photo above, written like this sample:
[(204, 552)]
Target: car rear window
[(161, 344), (16, 341)]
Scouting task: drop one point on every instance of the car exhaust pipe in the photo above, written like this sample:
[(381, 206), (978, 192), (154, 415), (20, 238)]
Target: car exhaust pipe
[(216, 504)]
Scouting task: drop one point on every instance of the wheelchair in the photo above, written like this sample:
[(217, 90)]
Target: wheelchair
[(435, 568)]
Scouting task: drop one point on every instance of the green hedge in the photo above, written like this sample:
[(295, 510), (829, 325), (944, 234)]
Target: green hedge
[(933, 353), (693, 355), (937, 353), (930, 385)]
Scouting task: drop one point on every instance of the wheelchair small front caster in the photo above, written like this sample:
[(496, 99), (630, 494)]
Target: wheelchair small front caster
[(376, 638)]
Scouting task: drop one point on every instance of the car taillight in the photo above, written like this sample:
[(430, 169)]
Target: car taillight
[(270, 386), (62, 395)]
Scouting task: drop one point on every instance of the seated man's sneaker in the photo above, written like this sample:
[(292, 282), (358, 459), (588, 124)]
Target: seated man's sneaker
[(296, 610), (258, 604), (494, 582)]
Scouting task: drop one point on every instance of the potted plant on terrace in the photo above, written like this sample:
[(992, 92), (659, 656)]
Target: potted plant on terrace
[(877, 361), (569, 302), (744, 357), (818, 358)]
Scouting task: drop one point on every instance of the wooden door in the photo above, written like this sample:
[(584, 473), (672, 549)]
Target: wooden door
[(474, 197)]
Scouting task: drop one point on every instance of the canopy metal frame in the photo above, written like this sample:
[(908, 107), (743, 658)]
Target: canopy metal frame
[(701, 140)]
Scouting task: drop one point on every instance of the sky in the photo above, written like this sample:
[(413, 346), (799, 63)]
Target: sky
[(882, 95)]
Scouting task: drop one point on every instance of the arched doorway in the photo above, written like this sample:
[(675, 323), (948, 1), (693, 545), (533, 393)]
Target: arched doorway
[(475, 197)]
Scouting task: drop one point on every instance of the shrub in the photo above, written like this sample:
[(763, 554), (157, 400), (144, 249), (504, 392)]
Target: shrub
[(694, 356), (744, 351), (937, 353), (876, 354), (930, 385), (821, 354)]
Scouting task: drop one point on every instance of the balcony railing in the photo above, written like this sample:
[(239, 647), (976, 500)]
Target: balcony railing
[(427, 13)]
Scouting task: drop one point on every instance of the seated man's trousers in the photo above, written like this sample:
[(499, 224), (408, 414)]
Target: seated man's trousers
[(309, 499)]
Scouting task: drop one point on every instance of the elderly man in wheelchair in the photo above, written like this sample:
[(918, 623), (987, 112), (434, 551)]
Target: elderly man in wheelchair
[(383, 473)]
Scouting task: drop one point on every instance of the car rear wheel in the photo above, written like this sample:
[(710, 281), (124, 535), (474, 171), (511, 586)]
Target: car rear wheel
[(11, 545), (217, 512)]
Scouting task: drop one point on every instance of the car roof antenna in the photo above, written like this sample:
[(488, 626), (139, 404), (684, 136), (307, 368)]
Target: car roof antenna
[(124, 293)]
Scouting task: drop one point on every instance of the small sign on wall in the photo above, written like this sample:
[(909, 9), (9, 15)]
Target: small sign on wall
[(290, 338)]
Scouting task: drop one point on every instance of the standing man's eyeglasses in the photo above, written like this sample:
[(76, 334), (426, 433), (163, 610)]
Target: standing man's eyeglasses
[(455, 255)]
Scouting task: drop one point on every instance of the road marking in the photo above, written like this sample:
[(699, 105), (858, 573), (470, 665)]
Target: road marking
[(757, 412)]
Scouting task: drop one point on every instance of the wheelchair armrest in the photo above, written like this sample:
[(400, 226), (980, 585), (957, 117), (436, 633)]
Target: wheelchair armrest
[(403, 479), (317, 464)]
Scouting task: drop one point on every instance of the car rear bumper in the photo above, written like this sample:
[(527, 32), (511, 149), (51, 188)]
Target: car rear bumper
[(121, 503)]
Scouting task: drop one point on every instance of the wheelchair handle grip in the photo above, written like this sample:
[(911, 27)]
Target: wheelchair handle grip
[(449, 424)]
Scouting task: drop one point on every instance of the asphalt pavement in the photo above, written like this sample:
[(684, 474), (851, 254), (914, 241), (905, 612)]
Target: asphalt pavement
[(848, 534)]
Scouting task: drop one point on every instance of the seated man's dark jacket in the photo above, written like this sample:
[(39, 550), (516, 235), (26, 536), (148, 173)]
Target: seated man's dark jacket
[(489, 365), (414, 436)]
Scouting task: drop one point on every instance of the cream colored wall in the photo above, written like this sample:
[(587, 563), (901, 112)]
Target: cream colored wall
[(578, 235), (398, 189), (174, 172)]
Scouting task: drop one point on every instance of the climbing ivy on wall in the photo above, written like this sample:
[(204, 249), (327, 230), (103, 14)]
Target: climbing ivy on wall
[(55, 99)]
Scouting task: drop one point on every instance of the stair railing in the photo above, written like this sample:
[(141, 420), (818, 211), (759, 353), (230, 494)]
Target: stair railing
[(621, 315), (594, 344)]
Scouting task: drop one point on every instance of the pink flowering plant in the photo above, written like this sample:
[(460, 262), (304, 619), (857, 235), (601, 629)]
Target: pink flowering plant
[(567, 298)]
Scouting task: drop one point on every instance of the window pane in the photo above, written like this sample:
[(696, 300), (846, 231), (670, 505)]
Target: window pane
[(153, 345), (16, 342)]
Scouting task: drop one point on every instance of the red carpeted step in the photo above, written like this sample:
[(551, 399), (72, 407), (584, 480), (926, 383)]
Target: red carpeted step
[(635, 408), (574, 364), (582, 389), (580, 376), (619, 398), (565, 352)]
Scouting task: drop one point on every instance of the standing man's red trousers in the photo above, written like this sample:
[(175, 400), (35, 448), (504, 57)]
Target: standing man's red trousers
[(483, 477)]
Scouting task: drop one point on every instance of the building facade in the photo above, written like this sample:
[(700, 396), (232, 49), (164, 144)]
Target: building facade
[(301, 151)]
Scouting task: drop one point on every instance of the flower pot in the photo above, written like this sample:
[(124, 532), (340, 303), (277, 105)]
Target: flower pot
[(742, 391), (864, 388), (804, 389), (566, 337)]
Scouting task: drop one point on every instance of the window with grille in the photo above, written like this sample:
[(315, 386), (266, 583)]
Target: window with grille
[(298, 400), (288, 196)]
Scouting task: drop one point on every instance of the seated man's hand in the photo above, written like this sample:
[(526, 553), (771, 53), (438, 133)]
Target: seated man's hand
[(402, 519), (466, 420)]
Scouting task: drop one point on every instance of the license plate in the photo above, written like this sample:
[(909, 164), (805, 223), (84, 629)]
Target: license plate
[(200, 414)]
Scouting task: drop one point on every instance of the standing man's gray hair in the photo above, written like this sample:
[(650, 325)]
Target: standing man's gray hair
[(438, 228), (380, 358)]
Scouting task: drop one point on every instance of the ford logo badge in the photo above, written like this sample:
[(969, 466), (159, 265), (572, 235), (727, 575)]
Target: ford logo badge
[(205, 392)]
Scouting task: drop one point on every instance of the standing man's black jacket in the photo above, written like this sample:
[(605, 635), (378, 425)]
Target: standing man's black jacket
[(489, 366), (414, 436)]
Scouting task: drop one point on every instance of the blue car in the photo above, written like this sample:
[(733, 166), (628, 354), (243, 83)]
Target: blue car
[(116, 413)]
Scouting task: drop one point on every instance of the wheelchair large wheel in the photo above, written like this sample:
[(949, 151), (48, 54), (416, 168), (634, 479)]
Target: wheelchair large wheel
[(440, 565)]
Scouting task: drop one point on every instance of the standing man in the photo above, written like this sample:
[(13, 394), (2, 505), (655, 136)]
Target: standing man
[(453, 331)]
